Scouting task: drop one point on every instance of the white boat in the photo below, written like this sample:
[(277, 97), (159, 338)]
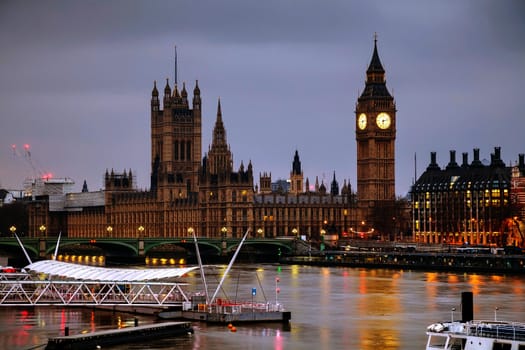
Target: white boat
[(476, 335), (469, 334)]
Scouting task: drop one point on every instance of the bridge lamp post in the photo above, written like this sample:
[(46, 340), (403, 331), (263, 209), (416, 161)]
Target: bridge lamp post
[(224, 231), (110, 230), (141, 231), (13, 230), (190, 231), (42, 229), (260, 232), (295, 231)]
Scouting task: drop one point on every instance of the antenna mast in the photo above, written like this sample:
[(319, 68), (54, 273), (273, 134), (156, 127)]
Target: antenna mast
[(415, 167), (176, 82)]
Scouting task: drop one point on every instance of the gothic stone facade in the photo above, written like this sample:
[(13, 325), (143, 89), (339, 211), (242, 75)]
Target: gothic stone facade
[(210, 196)]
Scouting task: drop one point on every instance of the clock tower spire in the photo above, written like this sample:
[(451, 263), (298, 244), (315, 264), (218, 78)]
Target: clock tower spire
[(375, 135)]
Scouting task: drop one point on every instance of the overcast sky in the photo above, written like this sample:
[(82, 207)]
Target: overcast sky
[(76, 80)]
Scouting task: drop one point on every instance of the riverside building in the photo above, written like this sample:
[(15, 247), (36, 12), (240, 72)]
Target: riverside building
[(469, 203)]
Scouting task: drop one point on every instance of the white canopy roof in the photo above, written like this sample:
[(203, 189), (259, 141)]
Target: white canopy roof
[(93, 273)]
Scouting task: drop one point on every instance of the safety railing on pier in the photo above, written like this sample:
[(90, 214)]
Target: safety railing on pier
[(22, 290)]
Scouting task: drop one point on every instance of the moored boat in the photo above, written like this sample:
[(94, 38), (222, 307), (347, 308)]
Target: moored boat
[(469, 334)]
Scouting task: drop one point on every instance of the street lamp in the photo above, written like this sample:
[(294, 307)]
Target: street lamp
[(295, 231), (13, 230), (141, 230), (110, 230), (190, 231), (224, 231), (42, 229), (260, 232)]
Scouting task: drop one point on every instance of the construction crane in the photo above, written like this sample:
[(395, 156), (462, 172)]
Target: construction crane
[(37, 172)]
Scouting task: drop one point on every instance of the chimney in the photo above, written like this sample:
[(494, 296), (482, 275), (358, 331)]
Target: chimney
[(452, 163), (496, 158), (467, 306), (433, 165), (476, 162), (465, 160), (497, 153)]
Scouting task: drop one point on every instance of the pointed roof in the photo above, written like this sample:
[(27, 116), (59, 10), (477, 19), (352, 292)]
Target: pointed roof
[(375, 63), (296, 165), (375, 86), (219, 156), (196, 90), (155, 92), (183, 92), (167, 89), (219, 134)]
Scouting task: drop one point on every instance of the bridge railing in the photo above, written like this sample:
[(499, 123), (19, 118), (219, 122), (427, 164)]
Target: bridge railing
[(90, 293)]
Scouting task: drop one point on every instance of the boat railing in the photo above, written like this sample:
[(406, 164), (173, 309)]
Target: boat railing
[(234, 307), (499, 330)]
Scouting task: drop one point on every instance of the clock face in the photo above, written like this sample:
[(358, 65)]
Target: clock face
[(361, 122), (383, 120)]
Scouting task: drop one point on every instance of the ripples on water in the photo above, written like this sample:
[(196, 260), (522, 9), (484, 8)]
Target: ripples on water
[(332, 308)]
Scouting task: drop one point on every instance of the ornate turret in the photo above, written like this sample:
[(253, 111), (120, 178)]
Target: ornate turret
[(322, 188), (155, 104), (118, 182), (344, 189), (219, 156), (307, 185), (296, 175), (196, 96), (167, 93), (265, 182), (334, 187), (184, 94)]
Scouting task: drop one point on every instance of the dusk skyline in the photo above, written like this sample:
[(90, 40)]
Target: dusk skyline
[(77, 79)]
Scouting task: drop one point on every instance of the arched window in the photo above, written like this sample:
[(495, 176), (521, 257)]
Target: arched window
[(176, 150)]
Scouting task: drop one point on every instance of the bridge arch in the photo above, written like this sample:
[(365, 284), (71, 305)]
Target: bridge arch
[(30, 247), (284, 246), (188, 245), (105, 245)]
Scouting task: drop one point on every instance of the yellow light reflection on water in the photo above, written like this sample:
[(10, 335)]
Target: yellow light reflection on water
[(378, 311)]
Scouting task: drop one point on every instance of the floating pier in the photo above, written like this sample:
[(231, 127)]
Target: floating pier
[(225, 311), (105, 338)]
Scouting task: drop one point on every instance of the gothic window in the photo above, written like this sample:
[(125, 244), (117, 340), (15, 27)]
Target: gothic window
[(159, 149), (182, 151), (188, 150), (176, 150)]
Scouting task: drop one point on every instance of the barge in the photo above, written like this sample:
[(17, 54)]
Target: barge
[(101, 339), (225, 312)]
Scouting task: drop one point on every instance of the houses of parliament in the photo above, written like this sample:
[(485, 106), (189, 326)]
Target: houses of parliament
[(207, 193)]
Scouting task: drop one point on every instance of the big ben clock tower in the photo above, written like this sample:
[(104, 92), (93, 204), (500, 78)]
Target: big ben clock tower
[(375, 135)]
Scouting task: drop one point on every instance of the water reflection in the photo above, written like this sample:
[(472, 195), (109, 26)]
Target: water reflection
[(332, 308)]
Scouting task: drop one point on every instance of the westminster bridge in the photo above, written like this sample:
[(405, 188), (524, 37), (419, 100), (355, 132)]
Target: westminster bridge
[(134, 248)]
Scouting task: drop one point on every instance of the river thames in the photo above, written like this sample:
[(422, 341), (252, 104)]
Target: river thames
[(332, 308)]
